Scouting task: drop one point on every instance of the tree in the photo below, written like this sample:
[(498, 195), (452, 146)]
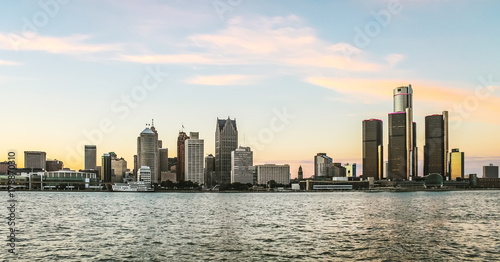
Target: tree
[(272, 184)]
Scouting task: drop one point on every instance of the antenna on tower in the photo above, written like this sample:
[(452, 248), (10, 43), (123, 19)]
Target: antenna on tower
[(152, 122)]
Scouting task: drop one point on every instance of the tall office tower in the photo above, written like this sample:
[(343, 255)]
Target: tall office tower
[(136, 167), (35, 159), (279, 173), (403, 158), (300, 175), (226, 141), (242, 165), (180, 167), (118, 168), (163, 162), (373, 149), (90, 157), (490, 171), (210, 179), (350, 170), (322, 164), (145, 174), (193, 157), (456, 164), (147, 152), (106, 169), (436, 145), (53, 165)]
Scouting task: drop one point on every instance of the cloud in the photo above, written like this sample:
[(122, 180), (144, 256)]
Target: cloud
[(394, 59), (170, 59), (222, 80), (5, 62), (462, 103), (282, 41), (74, 44)]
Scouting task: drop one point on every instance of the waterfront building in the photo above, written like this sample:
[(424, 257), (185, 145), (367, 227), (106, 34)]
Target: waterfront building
[(490, 171), (118, 168), (456, 164), (148, 147), (226, 141), (337, 170), (300, 175), (106, 170), (350, 170), (210, 178), (403, 158), (242, 166), (163, 158), (35, 159), (145, 174), (193, 157), (279, 173), (90, 157), (373, 149), (53, 165), (436, 145), (181, 152), (4, 167), (322, 163)]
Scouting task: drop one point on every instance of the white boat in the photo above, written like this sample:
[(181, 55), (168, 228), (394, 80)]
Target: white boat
[(132, 187)]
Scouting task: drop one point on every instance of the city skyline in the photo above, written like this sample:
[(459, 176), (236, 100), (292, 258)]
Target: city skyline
[(298, 77)]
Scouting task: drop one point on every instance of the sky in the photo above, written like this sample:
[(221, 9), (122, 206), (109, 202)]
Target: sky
[(299, 77)]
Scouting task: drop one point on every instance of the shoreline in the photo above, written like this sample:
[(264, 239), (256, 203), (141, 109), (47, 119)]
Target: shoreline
[(375, 190)]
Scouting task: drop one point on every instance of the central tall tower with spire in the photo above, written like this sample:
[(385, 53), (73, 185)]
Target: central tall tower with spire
[(226, 141), (403, 157), (148, 147)]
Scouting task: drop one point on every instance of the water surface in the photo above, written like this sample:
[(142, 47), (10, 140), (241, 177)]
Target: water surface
[(351, 226)]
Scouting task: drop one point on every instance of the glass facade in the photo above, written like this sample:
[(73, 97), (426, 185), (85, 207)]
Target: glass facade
[(372, 148)]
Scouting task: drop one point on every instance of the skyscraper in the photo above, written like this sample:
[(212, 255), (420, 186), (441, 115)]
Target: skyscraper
[(436, 145), (163, 162), (106, 168), (456, 164), (194, 152), (242, 165), (279, 173), (322, 164), (373, 149), (300, 175), (180, 167), (403, 158), (147, 152), (90, 157), (210, 179), (226, 140), (35, 159)]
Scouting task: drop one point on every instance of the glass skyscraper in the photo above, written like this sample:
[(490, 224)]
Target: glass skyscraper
[(373, 154), (403, 158), (436, 145), (226, 141)]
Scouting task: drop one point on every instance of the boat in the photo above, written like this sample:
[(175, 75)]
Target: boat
[(132, 187)]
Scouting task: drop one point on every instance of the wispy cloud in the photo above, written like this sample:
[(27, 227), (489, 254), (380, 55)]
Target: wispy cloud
[(222, 80), (434, 93), (75, 44), (281, 41), (5, 62), (394, 59)]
